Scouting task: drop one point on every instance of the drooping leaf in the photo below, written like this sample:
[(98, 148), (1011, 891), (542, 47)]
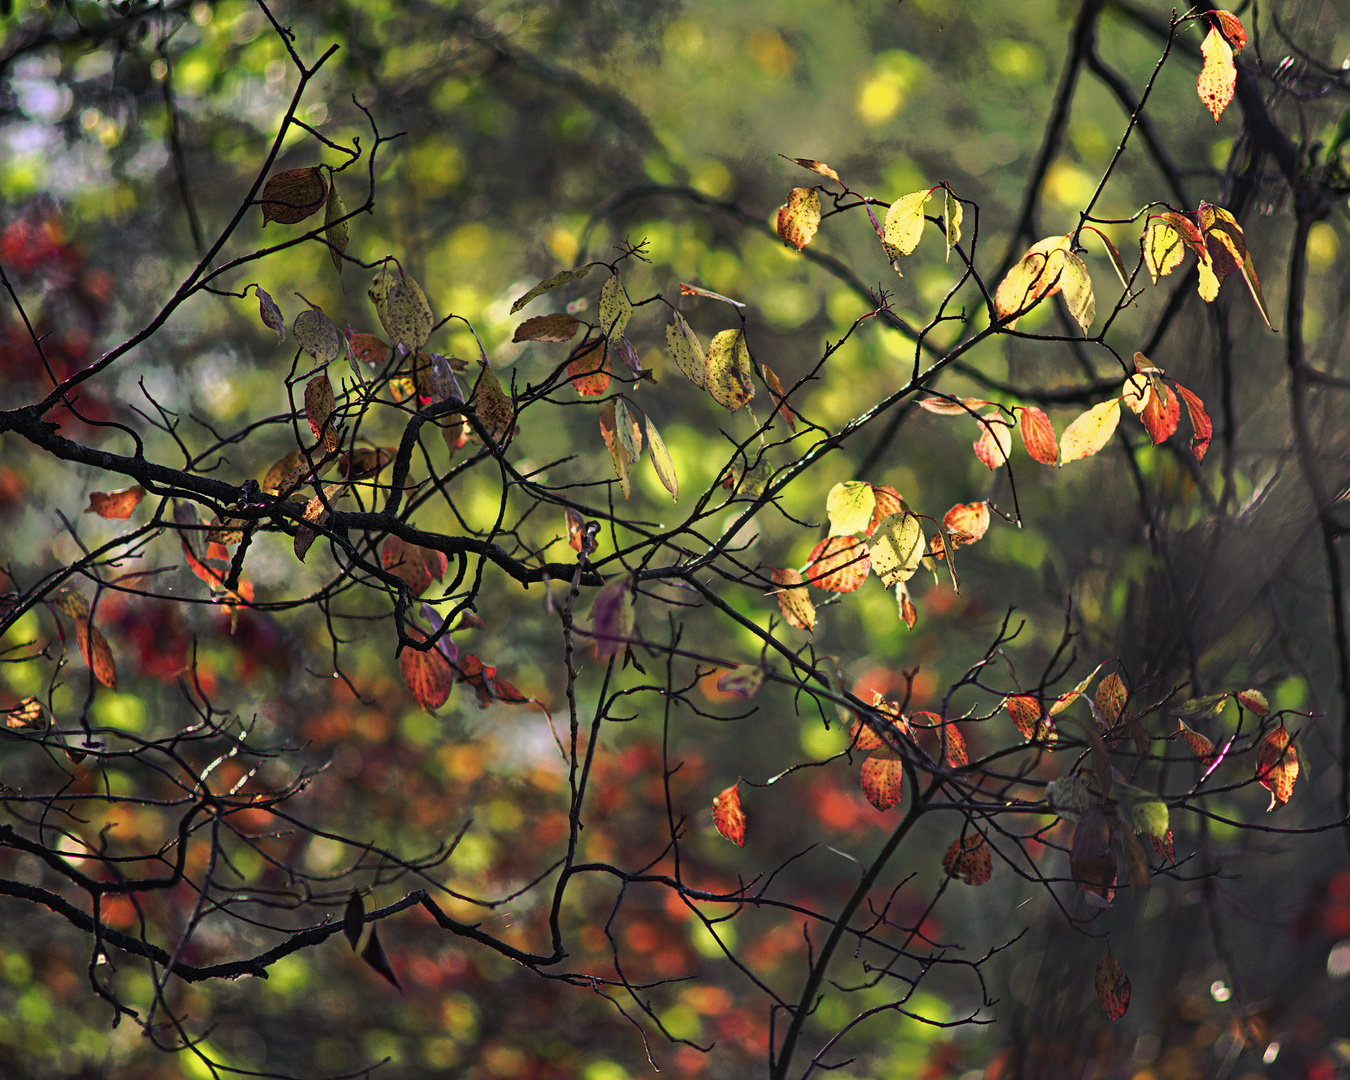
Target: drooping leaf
[(610, 433), (316, 334), (353, 918), (1092, 864), (686, 349), (728, 373), (627, 429), (367, 461), (427, 673), (1141, 810), (1038, 435), (849, 506), (952, 407), (1070, 696), (776, 389), (94, 648), (1030, 281), (728, 817), (1027, 715), (995, 441), (115, 505), (908, 615), (794, 600), (562, 277), (1201, 426), (951, 220), (1200, 746), (799, 217), (1113, 988), (417, 566), (615, 309), (742, 682), (838, 564), (815, 166), (588, 367), (1218, 73), (369, 348), (1076, 287), (401, 305), (888, 503), (576, 530), (374, 955), (662, 461), (270, 314), (1163, 248), (968, 858), (335, 231), (897, 548), (492, 405), (1111, 697), (904, 225), (1161, 414), (25, 716), (612, 618), (319, 406), (1089, 432), (957, 756), (291, 196), (882, 776), (1276, 765), (694, 290), (556, 327)]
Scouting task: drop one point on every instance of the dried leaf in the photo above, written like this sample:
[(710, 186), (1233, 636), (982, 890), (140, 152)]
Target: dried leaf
[(776, 389), (576, 530), (1089, 432), (1111, 697), (1276, 765), (115, 505), (1038, 435), (94, 648), (969, 859), (556, 327), (838, 564), (401, 305), (315, 333), (373, 350), (25, 716), (742, 682), (995, 441), (615, 309), (1253, 701), (293, 195), (957, 756), (562, 277), (418, 566), (1201, 426), (319, 406), (794, 600), (612, 618), (694, 290), (815, 166), (588, 367), (967, 522), (897, 548), (1113, 988), (799, 217), (270, 314), (353, 917), (728, 373), (728, 817), (492, 407)]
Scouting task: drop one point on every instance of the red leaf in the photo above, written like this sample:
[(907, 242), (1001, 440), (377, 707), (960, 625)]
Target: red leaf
[(969, 860), (427, 674), (116, 505), (888, 503), (1231, 27), (1038, 435), (1200, 746), (481, 676), (1164, 847), (1026, 713), (504, 691), (1254, 701), (1161, 417), (957, 757), (1199, 421), (418, 566), (1113, 988), (838, 563), (881, 779), (1277, 765), (728, 818), (588, 368), (968, 521)]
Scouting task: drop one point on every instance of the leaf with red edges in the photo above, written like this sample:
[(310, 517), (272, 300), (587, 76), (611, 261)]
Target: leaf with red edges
[(881, 779), (1161, 413), (1038, 435), (1277, 766), (728, 817), (588, 367), (427, 674), (888, 503), (967, 522), (838, 563), (1200, 422), (794, 600)]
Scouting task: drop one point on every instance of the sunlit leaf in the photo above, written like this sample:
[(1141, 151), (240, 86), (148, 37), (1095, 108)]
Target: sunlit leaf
[(799, 217), (291, 196), (957, 756), (728, 817), (953, 406), (849, 507), (728, 373), (838, 564), (1070, 696), (776, 389), (562, 277), (904, 224), (881, 777), (995, 441), (686, 349), (1200, 746), (94, 648), (401, 305), (576, 530), (815, 166), (695, 290), (897, 548), (556, 327), (888, 502), (25, 716), (1161, 414), (1027, 715), (1111, 697), (1276, 765), (908, 615), (794, 600), (610, 433), (1218, 73), (1254, 701), (1163, 248), (951, 220), (967, 522), (1089, 432), (661, 461), (115, 505), (968, 858), (1038, 435), (1113, 988)]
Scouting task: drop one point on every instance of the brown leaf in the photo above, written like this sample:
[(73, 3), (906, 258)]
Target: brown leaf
[(270, 314), (556, 327), (957, 756), (888, 503), (293, 195), (335, 231), (576, 530), (815, 166), (94, 648), (1111, 697), (1164, 847), (116, 505), (838, 563), (794, 600), (26, 715), (319, 406), (969, 859), (353, 917), (1113, 988), (1277, 766), (728, 817), (492, 406), (1200, 423), (799, 217), (742, 682), (776, 389)]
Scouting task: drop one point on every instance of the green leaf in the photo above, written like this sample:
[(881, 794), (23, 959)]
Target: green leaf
[(335, 231), (897, 547), (850, 506), (318, 336), (687, 350), (615, 309), (562, 277), (728, 373), (951, 220), (904, 225), (402, 306), (661, 462)]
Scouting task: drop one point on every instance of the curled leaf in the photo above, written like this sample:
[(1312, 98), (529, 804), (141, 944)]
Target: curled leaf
[(1276, 766), (728, 817), (335, 230), (562, 277), (270, 314), (115, 505), (401, 305)]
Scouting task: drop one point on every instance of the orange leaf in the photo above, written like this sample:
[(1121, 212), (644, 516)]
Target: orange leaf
[(94, 648), (1231, 27), (888, 503), (838, 563), (1254, 701), (957, 756), (967, 521), (1111, 697), (994, 443), (1200, 422), (1218, 76), (1038, 436), (1277, 766), (794, 601), (776, 389), (1161, 413), (116, 505), (823, 169), (881, 779), (969, 859), (588, 368), (799, 217), (728, 817), (1113, 988), (1026, 714)]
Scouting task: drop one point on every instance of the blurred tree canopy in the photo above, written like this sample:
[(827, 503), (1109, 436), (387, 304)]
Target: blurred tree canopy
[(402, 680)]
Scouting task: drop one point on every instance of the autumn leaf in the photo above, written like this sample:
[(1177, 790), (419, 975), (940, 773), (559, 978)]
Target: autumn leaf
[(968, 858), (1113, 988), (374, 955), (742, 682), (1200, 423), (609, 431), (951, 220), (957, 755), (799, 217), (686, 349), (556, 327), (615, 309), (904, 225), (794, 600), (291, 196), (728, 372), (94, 648), (888, 503), (849, 506), (1218, 73), (1276, 766), (818, 167), (728, 817), (270, 314), (612, 618), (1253, 701), (1048, 267), (661, 460), (1111, 697), (369, 348), (417, 566), (995, 441), (1161, 414), (897, 548), (319, 406), (576, 530), (562, 277), (1163, 248), (1089, 432), (967, 522), (1038, 435), (776, 389), (1091, 861), (838, 564), (315, 333), (1027, 716), (588, 367), (25, 716), (115, 505), (427, 674), (401, 305), (881, 778), (335, 231), (491, 405)]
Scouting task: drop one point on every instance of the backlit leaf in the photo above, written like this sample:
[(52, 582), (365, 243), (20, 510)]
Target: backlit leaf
[(492, 406), (953, 406), (957, 756), (897, 548), (271, 314), (1089, 432), (373, 350), (728, 373), (1111, 697), (576, 530), (904, 224), (908, 615), (815, 166), (556, 327), (1076, 287), (417, 566), (951, 220), (1113, 988), (115, 505), (1231, 27), (562, 277), (888, 503), (1200, 746), (426, 673), (315, 333), (94, 648), (1038, 435), (1218, 74), (1276, 765), (1254, 701), (401, 305), (1161, 414), (799, 217), (1163, 248), (609, 432), (995, 441), (968, 858), (293, 195), (1142, 810), (25, 716), (1036, 276), (1027, 716), (588, 367), (335, 231), (1070, 696), (776, 389), (626, 427), (319, 406), (794, 600), (838, 564), (881, 777), (728, 817), (686, 349), (967, 522), (615, 309), (849, 506), (742, 682), (1200, 423), (661, 461), (694, 290)]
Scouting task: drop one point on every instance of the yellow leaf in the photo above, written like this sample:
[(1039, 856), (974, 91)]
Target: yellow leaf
[(687, 349), (401, 305), (951, 220), (1089, 432), (849, 506), (661, 461), (1076, 288), (1218, 75), (728, 371), (615, 309), (799, 217), (904, 224), (1163, 249), (897, 548)]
